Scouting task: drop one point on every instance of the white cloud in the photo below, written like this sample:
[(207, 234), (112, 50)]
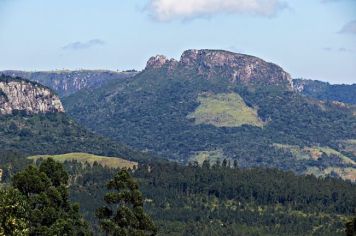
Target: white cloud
[(83, 45), (167, 10), (349, 28)]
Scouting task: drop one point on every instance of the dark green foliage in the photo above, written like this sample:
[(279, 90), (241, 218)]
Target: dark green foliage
[(226, 201), (11, 162), (124, 214), (49, 210), (149, 112), (55, 133), (13, 213), (328, 92), (351, 227)]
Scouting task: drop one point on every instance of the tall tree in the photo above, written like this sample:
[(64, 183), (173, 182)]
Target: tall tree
[(50, 211), (13, 213), (124, 213)]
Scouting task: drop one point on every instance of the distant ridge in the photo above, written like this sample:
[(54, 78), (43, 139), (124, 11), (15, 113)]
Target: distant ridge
[(66, 82)]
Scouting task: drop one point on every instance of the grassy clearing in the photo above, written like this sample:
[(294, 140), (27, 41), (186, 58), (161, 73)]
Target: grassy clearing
[(349, 146), (112, 162), (329, 151), (314, 153), (344, 173), (211, 156), (224, 110)]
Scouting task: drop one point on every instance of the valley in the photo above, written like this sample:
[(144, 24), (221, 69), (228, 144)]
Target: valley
[(220, 143)]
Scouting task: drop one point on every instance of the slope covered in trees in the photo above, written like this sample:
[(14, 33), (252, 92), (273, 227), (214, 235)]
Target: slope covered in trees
[(345, 93), (55, 133), (215, 199), (161, 110), (191, 200)]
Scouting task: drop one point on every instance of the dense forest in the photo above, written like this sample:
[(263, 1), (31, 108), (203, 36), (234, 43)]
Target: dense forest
[(151, 112), (55, 133), (216, 199), (325, 91)]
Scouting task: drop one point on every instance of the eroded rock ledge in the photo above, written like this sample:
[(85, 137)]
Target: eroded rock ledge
[(22, 95)]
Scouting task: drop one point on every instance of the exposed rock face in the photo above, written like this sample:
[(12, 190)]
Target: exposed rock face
[(68, 82), (157, 61), (22, 95), (238, 68)]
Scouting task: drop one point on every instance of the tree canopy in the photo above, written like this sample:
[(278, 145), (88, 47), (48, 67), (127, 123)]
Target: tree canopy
[(124, 213)]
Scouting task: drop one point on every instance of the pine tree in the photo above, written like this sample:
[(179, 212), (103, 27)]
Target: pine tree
[(49, 210), (124, 213)]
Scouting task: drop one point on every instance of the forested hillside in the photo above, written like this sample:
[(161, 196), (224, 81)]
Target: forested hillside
[(345, 93), (55, 133), (203, 107)]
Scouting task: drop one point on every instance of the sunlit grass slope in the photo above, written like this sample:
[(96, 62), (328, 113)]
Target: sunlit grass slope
[(225, 110), (112, 162)]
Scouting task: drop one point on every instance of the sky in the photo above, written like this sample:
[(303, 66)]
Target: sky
[(312, 39)]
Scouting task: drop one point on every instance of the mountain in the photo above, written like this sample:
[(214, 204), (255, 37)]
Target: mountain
[(65, 82), (26, 96), (216, 105), (32, 121), (324, 91), (223, 66)]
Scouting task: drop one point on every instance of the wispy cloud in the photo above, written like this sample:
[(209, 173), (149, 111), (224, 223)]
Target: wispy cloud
[(349, 28), (345, 50), (340, 49), (168, 10), (83, 45)]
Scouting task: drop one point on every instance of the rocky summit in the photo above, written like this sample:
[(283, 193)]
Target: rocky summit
[(22, 95), (219, 64)]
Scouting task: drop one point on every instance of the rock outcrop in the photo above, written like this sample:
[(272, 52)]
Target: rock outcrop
[(219, 64), (65, 82), (22, 95)]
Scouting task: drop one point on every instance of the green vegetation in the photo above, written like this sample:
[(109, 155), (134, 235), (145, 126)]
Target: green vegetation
[(328, 92), (349, 146), (55, 133), (194, 199), (66, 82), (191, 200), (211, 156), (329, 161), (224, 110), (46, 209), (351, 227), (149, 112), (124, 213), (13, 213), (111, 162), (331, 152), (347, 173)]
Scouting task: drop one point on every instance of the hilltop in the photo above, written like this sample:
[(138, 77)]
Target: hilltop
[(219, 105), (33, 121), (223, 65), (18, 95)]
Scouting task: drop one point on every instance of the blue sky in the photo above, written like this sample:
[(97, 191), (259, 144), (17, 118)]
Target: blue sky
[(313, 39)]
